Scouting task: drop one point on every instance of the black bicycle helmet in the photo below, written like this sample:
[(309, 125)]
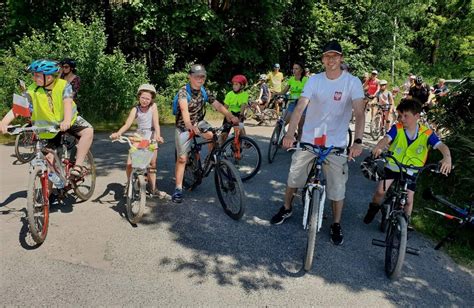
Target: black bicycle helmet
[(419, 80), (371, 170), (68, 61)]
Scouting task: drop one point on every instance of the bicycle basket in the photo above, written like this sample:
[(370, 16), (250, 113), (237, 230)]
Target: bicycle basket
[(141, 158)]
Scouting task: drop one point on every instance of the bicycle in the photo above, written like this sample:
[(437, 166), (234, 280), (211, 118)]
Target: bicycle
[(37, 201), (266, 116), (243, 152), (378, 122), (394, 220), (227, 179), (314, 195), (464, 215), (279, 131), (141, 153)]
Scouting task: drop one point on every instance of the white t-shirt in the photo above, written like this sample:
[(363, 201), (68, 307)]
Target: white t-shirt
[(330, 104)]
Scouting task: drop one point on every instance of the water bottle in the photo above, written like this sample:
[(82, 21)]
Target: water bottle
[(56, 180)]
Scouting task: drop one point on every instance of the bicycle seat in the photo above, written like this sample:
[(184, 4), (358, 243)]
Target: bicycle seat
[(204, 126)]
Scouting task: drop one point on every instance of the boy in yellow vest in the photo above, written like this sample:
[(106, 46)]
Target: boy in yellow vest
[(53, 105), (409, 141)]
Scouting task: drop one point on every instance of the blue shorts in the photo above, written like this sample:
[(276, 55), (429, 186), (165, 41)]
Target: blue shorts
[(292, 106)]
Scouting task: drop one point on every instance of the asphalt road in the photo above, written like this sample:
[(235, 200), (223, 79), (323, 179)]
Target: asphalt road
[(193, 254)]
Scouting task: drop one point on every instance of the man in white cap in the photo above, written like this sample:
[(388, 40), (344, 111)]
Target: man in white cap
[(330, 98)]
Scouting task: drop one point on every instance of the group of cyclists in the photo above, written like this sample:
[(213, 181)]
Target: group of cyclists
[(319, 105)]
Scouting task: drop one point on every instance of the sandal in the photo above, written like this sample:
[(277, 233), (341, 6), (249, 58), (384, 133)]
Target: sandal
[(78, 170)]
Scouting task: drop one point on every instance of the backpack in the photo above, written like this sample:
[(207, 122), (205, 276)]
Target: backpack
[(188, 91)]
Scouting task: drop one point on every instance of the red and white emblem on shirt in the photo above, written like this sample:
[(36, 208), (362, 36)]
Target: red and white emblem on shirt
[(337, 96)]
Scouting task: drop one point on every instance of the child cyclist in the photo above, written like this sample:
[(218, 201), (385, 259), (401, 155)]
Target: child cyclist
[(235, 101), (146, 115), (409, 141), (53, 105), (264, 95)]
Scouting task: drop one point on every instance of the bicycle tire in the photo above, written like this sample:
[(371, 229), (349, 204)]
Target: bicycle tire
[(250, 160), (84, 185), (269, 115), (229, 187), (274, 143), (136, 197), (25, 143), (312, 229), (192, 172), (396, 245), (37, 205), (375, 127)]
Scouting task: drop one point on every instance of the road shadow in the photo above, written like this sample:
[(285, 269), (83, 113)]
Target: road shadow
[(237, 252), (13, 197)]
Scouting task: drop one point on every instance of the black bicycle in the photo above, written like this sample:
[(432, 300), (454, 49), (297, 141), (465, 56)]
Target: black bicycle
[(464, 215), (394, 220), (227, 179)]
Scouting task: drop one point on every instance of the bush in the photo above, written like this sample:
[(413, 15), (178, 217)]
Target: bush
[(108, 82), (453, 116)]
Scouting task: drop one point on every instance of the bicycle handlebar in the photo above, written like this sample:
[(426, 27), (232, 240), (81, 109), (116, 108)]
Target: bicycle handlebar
[(404, 168), (316, 149), (16, 129)]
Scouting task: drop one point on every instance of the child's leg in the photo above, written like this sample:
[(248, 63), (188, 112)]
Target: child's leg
[(409, 205), (377, 199)]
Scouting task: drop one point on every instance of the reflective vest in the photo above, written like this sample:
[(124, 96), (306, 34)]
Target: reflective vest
[(414, 154), (43, 115)]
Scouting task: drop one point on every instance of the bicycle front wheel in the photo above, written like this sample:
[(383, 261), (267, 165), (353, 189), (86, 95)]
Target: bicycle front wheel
[(396, 245), (136, 199), (275, 141), (248, 161), (230, 189), (84, 185), (375, 127), (313, 216), (25, 143), (37, 205)]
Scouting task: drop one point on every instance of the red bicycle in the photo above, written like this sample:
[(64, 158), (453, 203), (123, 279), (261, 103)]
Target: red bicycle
[(58, 172)]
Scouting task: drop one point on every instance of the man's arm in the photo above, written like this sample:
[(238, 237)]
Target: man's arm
[(359, 112)]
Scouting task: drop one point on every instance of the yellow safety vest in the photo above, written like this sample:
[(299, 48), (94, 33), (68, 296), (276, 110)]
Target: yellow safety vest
[(414, 154), (43, 115)]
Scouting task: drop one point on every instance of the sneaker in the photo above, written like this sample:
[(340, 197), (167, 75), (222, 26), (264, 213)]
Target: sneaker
[(371, 212), (281, 216), (336, 234), (177, 196)]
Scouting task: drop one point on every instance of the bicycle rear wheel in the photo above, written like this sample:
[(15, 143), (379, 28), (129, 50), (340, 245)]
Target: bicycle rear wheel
[(275, 141), (230, 190), (249, 160), (269, 115), (25, 143), (396, 245), (312, 229), (375, 126), (192, 171), (37, 205), (84, 185), (136, 198)]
